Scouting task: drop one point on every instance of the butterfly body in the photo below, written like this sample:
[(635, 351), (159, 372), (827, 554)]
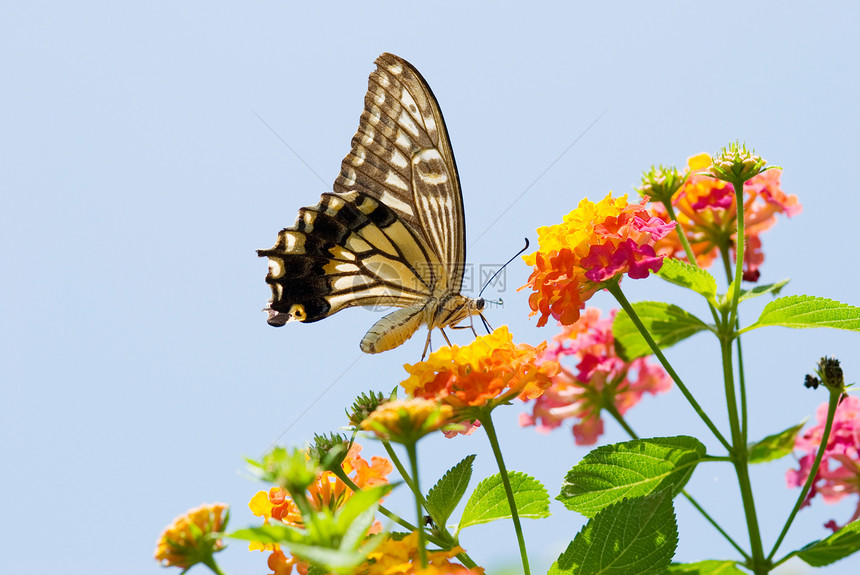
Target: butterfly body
[(391, 233)]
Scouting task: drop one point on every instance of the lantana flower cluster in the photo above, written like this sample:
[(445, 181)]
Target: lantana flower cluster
[(706, 209), (490, 369), (839, 473), (595, 243), (400, 557), (327, 492), (193, 536), (598, 379)]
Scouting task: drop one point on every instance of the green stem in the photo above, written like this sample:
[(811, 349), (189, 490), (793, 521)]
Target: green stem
[(716, 525), (213, 566), (831, 412), (487, 423), (688, 249), (413, 462), (682, 237), (403, 473), (724, 254), (610, 407), (740, 459), (447, 540), (615, 290), (740, 245)]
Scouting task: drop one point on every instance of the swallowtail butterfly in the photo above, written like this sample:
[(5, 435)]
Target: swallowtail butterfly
[(392, 233)]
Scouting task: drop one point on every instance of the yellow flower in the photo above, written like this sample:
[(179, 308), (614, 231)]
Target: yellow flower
[(393, 557), (407, 420), (594, 244), (192, 537), (490, 368)]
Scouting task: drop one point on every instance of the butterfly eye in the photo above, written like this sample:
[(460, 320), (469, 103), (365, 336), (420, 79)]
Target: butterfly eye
[(479, 304)]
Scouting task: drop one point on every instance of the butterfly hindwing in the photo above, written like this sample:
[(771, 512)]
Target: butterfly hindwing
[(346, 251)]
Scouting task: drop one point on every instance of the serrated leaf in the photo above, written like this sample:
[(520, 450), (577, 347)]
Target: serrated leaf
[(831, 549), (632, 537), (488, 502), (802, 311), (631, 469), (774, 446), (443, 497), (761, 290), (710, 567), (668, 324), (688, 276)]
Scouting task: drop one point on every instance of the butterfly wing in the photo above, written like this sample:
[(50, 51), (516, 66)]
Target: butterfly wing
[(392, 233), (402, 156)]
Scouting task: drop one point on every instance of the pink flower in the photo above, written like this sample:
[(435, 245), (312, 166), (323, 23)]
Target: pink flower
[(839, 472), (599, 376)]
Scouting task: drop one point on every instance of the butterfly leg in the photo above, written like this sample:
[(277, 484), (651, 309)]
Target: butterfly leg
[(487, 325), (445, 335), (427, 345)]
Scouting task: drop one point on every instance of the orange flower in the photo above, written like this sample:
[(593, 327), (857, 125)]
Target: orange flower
[(193, 536), (594, 244), (327, 492), (706, 209), (393, 557), (490, 368)]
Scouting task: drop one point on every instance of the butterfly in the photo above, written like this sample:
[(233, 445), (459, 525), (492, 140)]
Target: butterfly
[(392, 233)]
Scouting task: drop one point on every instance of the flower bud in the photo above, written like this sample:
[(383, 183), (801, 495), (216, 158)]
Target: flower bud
[(330, 450), (364, 405), (735, 162), (660, 183)]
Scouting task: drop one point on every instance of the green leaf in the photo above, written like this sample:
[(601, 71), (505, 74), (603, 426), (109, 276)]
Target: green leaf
[(269, 534), (801, 311), (489, 502), (443, 497), (711, 567), (632, 537), (631, 469), (831, 549), (360, 503), (668, 324), (761, 290), (774, 446), (688, 276)]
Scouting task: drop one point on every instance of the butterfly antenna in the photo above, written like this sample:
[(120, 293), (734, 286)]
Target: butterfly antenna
[(489, 281)]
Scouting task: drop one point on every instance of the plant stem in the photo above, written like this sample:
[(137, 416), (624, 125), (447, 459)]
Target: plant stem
[(213, 566), (422, 546), (615, 290), (724, 254), (403, 473), (831, 412), (682, 237), (445, 542), (740, 245), (740, 459), (716, 525), (487, 422)]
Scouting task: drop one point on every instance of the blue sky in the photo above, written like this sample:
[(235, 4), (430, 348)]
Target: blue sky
[(137, 180)]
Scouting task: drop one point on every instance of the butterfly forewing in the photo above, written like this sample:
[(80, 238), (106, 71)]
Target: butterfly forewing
[(392, 233), (401, 155)]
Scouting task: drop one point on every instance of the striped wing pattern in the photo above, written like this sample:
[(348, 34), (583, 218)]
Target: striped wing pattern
[(392, 233)]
